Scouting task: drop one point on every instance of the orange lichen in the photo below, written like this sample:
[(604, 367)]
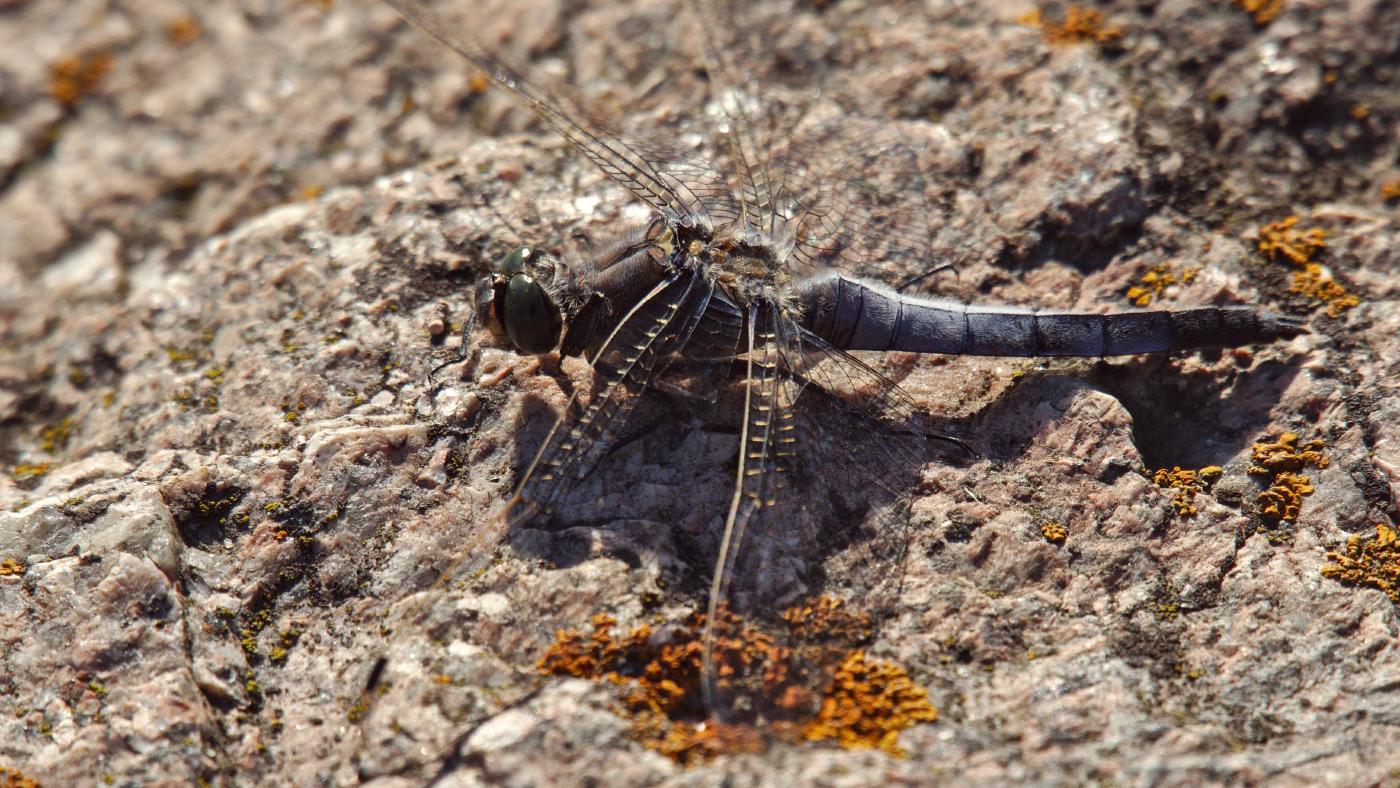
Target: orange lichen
[(1080, 25), (663, 673), (1390, 190), (869, 703), (1284, 239), (11, 566), (1314, 283), (1054, 533), (825, 617), (664, 697), (1153, 283), (1284, 499), (1264, 11), (1286, 454), (183, 31), (1187, 483), (1371, 562), (11, 777), (1283, 460), (74, 77)]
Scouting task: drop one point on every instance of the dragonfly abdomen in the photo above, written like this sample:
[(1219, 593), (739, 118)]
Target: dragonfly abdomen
[(855, 315)]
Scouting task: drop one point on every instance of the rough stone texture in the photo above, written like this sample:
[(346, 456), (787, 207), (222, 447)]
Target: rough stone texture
[(231, 486)]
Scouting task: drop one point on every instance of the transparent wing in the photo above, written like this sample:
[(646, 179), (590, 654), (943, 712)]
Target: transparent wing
[(747, 131), (766, 451), (859, 198), (839, 191), (632, 357), (831, 453), (679, 189)]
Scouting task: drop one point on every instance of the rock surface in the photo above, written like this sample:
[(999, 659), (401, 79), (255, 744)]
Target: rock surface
[(229, 483)]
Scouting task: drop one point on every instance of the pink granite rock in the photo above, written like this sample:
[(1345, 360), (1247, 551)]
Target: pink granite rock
[(229, 484)]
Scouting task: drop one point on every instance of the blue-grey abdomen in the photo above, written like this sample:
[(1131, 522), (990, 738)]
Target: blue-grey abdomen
[(855, 315)]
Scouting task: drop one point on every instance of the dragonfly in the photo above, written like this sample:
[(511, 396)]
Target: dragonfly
[(751, 285)]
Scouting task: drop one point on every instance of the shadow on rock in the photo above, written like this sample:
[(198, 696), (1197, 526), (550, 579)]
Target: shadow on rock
[(1187, 419), (1192, 419)]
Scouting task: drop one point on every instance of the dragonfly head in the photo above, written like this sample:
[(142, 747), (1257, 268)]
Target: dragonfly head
[(518, 308)]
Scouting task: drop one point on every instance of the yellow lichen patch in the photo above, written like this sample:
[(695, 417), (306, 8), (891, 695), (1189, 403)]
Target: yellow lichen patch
[(25, 471), (11, 777), (1152, 284), (1314, 283), (663, 673), (11, 566), (1187, 483), (1283, 460), (1371, 562), (664, 698), (1263, 11), (1054, 533), (1284, 239), (868, 705), (1080, 25), (72, 78), (56, 437)]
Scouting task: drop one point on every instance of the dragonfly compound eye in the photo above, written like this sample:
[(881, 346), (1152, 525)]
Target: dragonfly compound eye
[(532, 321), (514, 262)]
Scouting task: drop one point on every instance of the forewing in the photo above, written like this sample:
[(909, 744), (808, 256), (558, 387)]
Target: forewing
[(746, 129), (677, 185), (832, 188), (630, 359)]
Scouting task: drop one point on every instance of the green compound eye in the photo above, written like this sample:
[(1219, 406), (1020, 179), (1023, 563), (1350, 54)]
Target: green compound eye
[(514, 262), (531, 320)]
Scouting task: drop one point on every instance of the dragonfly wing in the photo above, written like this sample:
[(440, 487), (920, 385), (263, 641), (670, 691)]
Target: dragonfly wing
[(859, 199), (629, 360), (831, 452), (765, 450), (679, 187), (867, 442)]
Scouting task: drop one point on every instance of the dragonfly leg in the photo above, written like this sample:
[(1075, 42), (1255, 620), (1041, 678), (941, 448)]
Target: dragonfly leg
[(467, 351)]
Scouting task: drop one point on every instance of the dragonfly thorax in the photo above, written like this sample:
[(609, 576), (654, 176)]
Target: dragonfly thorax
[(746, 263)]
